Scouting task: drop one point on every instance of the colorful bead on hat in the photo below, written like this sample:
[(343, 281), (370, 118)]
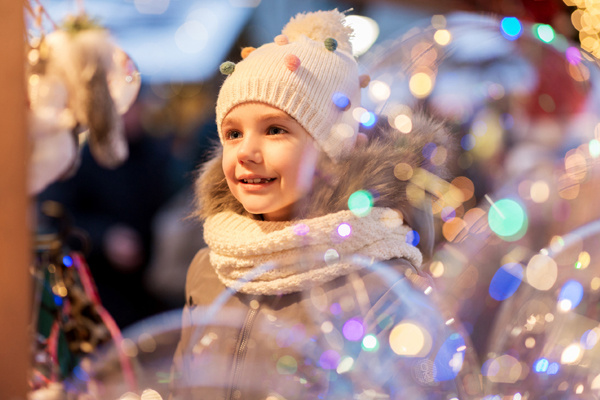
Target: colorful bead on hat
[(309, 72)]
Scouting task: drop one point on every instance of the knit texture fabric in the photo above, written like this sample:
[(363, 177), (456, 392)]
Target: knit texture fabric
[(280, 257), (315, 93)]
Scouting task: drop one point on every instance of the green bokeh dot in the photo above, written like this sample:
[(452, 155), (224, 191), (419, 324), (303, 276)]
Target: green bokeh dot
[(360, 203), (287, 365), (507, 218)]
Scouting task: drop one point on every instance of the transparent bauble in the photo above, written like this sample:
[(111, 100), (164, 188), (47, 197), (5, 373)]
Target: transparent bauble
[(546, 334), (522, 101), (369, 335)]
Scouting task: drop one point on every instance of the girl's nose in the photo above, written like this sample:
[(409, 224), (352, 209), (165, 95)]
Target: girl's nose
[(250, 150)]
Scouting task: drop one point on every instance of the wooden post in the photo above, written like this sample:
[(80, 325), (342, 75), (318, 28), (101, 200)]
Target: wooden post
[(15, 298)]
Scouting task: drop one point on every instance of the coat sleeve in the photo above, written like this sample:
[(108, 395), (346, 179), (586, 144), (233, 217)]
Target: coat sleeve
[(178, 369)]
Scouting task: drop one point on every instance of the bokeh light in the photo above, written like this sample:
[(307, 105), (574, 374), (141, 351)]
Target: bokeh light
[(544, 32), (420, 84), (344, 230), (506, 281), (507, 219), (360, 203), (410, 339), (370, 343), (571, 293), (353, 330), (511, 28), (541, 272)]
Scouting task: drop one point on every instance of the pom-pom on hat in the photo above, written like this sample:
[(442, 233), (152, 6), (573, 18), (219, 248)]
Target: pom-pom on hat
[(304, 72)]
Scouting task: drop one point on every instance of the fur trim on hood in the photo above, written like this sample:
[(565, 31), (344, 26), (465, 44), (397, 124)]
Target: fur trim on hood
[(368, 167)]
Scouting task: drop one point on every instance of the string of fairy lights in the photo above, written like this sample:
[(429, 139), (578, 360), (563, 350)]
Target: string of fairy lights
[(586, 19)]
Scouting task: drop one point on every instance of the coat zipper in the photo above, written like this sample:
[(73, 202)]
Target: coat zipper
[(240, 353)]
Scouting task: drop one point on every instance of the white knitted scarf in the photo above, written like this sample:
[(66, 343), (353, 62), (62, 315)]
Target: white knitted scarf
[(280, 257)]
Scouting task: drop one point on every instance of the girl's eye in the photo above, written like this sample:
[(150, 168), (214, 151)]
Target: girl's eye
[(231, 135), (276, 130)]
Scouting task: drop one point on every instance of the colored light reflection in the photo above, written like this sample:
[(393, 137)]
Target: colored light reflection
[(506, 281), (344, 230), (594, 148), (544, 32), (370, 343), (449, 359), (301, 229), (572, 291), (340, 100), (413, 238), (345, 365), (573, 55), (329, 359), (410, 339), (541, 365), (67, 261), (353, 330), (511, 28), (507, 219), (553, 368), (368, 119), (287, 365), (360, 203)]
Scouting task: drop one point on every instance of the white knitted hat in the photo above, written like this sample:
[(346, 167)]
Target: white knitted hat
[(308, 72)]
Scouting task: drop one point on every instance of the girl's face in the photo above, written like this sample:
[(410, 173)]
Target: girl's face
[(269, 159)]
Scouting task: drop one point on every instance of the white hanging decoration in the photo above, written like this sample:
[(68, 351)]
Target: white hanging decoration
[(79, 80)]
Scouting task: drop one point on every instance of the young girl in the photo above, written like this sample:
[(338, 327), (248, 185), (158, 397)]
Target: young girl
[(301, 293)]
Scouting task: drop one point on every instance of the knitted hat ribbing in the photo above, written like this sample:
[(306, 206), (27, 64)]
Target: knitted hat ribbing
[(306, 74)]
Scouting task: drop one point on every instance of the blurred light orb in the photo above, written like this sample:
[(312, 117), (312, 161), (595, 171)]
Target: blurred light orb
[(287, 365), (345, 365), (511, 28), (420, 85), (403, 171), (370, 343), (404, 124), (379, 91), (360, 203), (571, 354), (442, 37), (67, 261), (344, 230), (573, 55), (366, 31), (331, 256), (340, 100), (553, 368), (507, 219), (413, 238), (544, 32), (539, 192), (353, 330), (329, 359), (541, 365), (589, 339), (368, 119), (410, 340), (541, 272), (467, 142), (594, 148), (571, 291), (506, 281)]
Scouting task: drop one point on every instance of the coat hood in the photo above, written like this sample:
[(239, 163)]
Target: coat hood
[(383, 166)]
